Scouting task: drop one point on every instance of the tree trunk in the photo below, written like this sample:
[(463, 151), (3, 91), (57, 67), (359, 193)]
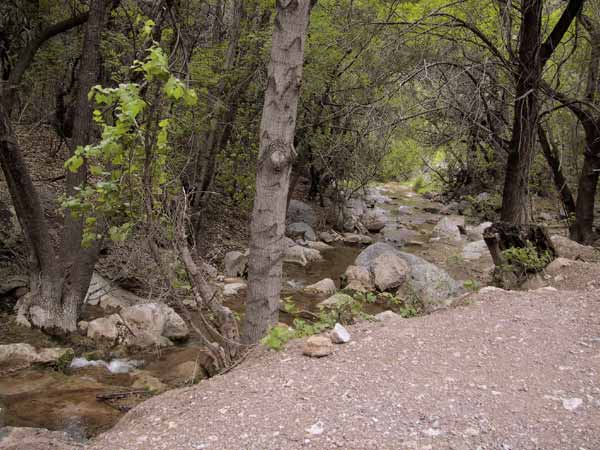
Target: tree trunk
[(531, 60), (560, 182), (583, 229), (276, 155)]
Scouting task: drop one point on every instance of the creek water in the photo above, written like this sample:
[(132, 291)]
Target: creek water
[(41, 397)]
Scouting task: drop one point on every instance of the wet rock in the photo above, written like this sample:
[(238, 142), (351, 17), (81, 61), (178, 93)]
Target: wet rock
[(374, 220), (448, 228), (301, 212), (236, 264), (475, 250), (320, 246), (21, 438), (339, 335), (431, 284), (25, 355), (357, 239), (387, 316), (573, 250), (318, 346), (323, 287), (144, 380), (358, 279), (389, 271), (301, 230), (233, 289), (301, 255), (399, 236), (335, 300), (329, 237)]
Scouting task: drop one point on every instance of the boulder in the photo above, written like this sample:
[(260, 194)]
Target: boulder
[(301, 255), (357, 239), (448, 228), (358, 279), (400, 236), (143, 380), (569, 249), (329, 236), (557, 266), (236, 264), (324, 287), (104, 293), (233, 289), (476, 233), (146, 325), (301, 212), (24, 355), (374, 220), (389, 271), (301, 230), (320, 246), (339, 335), (318, 346), (475, 250), (335, 300), (105, 329), (431, 284)]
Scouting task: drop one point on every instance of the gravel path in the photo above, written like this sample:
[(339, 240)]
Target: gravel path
[(506, 371)]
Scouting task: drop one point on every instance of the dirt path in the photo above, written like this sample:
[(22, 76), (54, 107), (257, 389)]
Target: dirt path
[(507, 371)]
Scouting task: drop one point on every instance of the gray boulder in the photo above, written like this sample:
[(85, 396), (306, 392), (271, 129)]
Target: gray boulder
[(475, 250), (358, 279), (430, 283), (301, 230), (104, 293), (389, 271), (357, 239), (374, 220), (301, 212), (236, 264), (448, 228), (323, 287), (573, 250), (476, 233)]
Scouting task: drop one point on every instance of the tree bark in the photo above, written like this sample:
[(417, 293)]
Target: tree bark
[(276, 155)]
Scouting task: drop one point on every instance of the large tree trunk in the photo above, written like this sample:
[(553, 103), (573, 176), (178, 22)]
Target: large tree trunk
[(583, 229), (58, 285), (531, 60), (515, 198), (276, 155)]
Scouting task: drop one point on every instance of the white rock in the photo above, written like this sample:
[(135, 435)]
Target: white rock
[(448, 228), (232, 289), (339, 335), (301, 255), (571, 404), (475, 250), (316, 429)]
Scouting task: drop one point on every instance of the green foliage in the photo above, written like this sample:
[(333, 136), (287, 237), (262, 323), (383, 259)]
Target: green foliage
[(129, 164), (472, 285), (526, 259)]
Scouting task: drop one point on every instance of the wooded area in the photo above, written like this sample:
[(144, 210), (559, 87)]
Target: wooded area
[(145, 140)]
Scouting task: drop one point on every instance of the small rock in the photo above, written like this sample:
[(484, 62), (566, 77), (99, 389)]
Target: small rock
[(82, 325), (335, 300), (233, 289), (339, 335), (323, 287), (571, 404), (320, 246), (387, 316), (301, 255), (318, 346), (146, 381), (352, 238), (358, 278), (329, 237), (316, 429), (301, 230)]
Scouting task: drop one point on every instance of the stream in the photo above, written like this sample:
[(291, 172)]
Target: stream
[(67, 400)]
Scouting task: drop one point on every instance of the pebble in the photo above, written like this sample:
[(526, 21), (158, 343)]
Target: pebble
[(339, 335), (316, 429), (571, 404)]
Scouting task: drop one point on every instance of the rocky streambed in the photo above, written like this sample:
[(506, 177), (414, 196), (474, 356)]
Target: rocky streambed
[(395, 241)]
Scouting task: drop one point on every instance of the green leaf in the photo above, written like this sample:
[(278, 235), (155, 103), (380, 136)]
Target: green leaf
[(74, 163)]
